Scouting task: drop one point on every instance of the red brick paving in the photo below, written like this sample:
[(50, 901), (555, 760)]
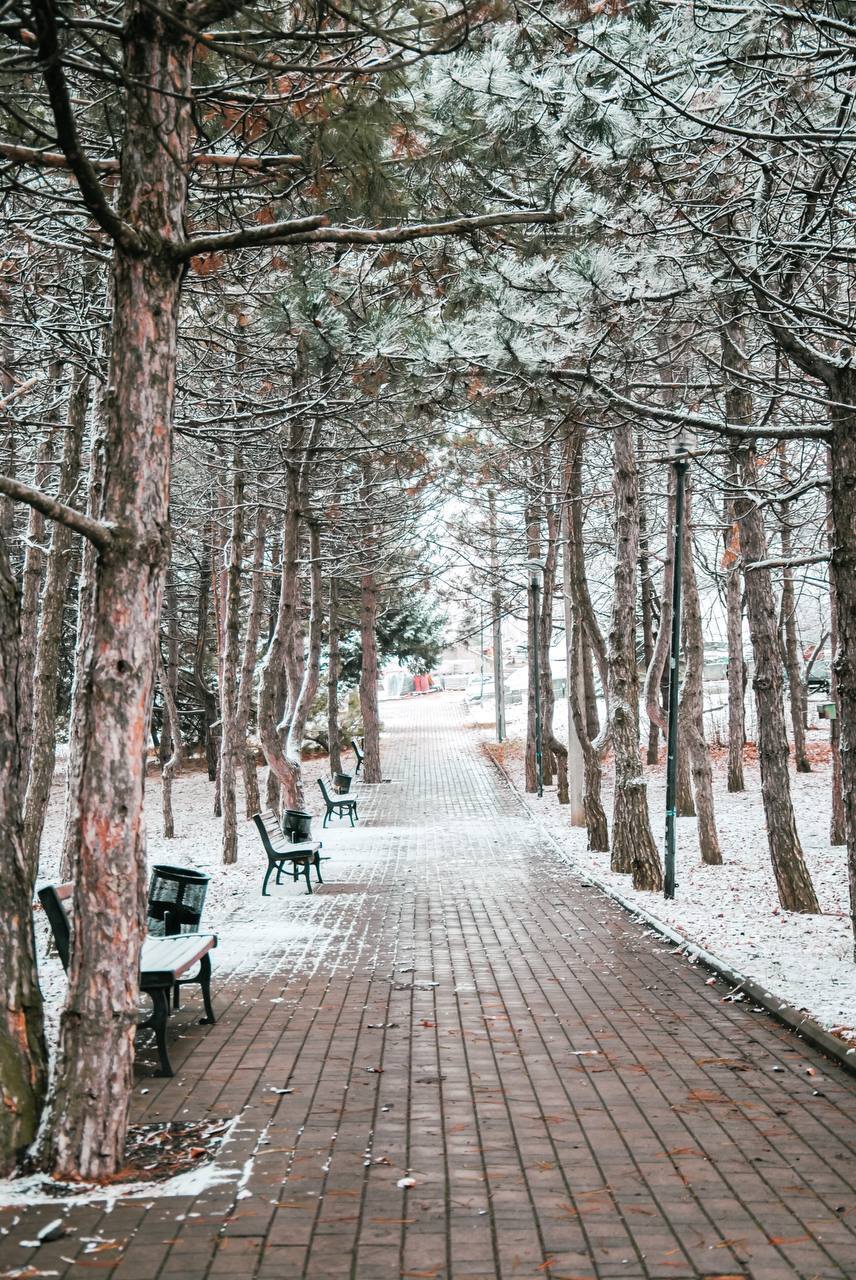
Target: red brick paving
[(569, 1096)]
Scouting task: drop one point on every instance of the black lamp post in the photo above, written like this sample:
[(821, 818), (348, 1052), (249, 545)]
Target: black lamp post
[(680, 462), (535, 569)]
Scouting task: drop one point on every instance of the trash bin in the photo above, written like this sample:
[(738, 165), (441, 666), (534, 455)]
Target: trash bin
[(297, 825), (342, 782), (176, 899)]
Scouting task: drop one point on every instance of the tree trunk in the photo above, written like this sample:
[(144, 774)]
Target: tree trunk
[(739, 409), (790, 644), (279, 669), (231, 746), (595, 817), (692, 700), (796, 892), (633, 848), (684, 800), (49, 640), (647, 596), (207, 699), (496, 619), (736, 674), (590, 691), (552, 748), (219, 575), (368, 679), (575, 766), (31, 581), (837, 817), (86, 1134), (533, 636), (23, 1054), (660, 652), (333, 740), (255, 611), (85, 614), (310, 672), (843, 501), (170, 766)]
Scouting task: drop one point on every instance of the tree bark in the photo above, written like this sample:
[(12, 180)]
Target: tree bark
[(31, 582), (790, 644), (843, 502), (647, 596), (310, 675), (496, 619), (657, 663), (279, 672), (575, 764), (207, 699), (172, 764), (589, 689), (533, 635), (255, 611), (85, 615), (692, 699), (595, 818), (333, 740), (736, 671), (739, 409), (86, 1133), (231, 746), (796, 892), (633, 848), (49, 639), (368, 679), (837, 817), (23, 1054)]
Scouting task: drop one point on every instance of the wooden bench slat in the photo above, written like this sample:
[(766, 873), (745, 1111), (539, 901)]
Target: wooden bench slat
[(174, 955)]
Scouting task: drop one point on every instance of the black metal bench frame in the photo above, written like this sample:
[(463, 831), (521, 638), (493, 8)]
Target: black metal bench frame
[(302, 855), (359, 753), (340, 806), (158, 984)]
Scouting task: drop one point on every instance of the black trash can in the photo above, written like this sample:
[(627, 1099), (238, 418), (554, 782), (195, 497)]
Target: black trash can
[(342, 782), (176, 899), (297, 825)]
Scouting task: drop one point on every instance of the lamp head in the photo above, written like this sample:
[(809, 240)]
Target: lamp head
[(685, 440), (535, 570)]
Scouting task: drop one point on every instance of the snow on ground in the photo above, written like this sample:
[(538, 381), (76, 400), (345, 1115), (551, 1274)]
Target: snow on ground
[(733, 910)]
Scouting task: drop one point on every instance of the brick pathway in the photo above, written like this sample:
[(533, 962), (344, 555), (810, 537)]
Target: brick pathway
[(569, 1097)]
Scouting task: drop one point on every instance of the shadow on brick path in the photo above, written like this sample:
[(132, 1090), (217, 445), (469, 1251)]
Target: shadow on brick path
[(569, 1098)]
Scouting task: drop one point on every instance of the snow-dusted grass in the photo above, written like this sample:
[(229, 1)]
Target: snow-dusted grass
[(733, 910)]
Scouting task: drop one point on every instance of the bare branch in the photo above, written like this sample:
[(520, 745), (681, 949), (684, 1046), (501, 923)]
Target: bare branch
[(317, 231), (789, 562), (110, 164), (91, 190), (20, 390), (98, 534), (273, 233), (737, 431)]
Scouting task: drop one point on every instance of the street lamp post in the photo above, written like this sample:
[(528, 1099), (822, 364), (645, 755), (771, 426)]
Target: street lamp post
[(535, 570), (680, 462)]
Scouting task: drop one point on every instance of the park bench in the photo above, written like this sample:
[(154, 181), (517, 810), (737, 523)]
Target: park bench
[(302, 855), (340, 806), (359, 753), (164, 965)]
